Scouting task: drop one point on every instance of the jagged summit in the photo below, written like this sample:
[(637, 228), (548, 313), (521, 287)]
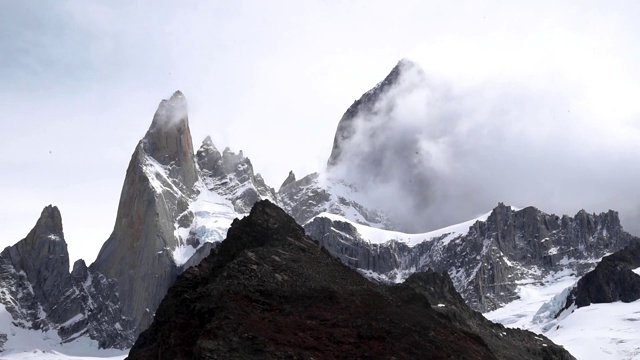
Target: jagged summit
[(168, 139), (231, 175), (157, 189), (40, 293), (366, 104), (291, 178)]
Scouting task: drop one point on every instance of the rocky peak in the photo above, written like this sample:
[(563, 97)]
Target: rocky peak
[(41, 294), (43, 254), (231, 175), (157, 190), (366, 104), (168, 139), (209, 158), (291, 179)]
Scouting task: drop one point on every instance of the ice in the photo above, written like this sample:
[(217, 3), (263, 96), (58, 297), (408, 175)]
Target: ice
[(213, 216)]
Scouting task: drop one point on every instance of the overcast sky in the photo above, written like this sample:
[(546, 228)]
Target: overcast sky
[(80, 81)]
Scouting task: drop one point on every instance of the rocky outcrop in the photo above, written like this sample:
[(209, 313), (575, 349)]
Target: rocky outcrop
[(231, 176), (363, 106), (269, 291), (487, 260), (612, 280), (157, 190), (310, 196), (40, 293)]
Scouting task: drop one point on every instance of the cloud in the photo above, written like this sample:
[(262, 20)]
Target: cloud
[(440, 149)]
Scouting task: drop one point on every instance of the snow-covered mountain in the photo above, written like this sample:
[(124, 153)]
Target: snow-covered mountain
[(487, 257), (176, 205)]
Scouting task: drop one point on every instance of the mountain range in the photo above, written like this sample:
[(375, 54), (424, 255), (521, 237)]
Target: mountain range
[(178, 204)]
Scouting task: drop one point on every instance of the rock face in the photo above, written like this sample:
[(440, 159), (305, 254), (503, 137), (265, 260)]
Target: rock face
[(158, 187), (486, 261), (361, 107), (313, 195), (231, 176), (612, 280), (40, 293), (269, 291)]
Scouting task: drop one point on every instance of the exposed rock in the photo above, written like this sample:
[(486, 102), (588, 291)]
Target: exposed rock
[(310, 196), (612, 280), (41, 294), (291, 178), (157, 189), (487, 261), (231, 176), (366, 104), (270, 292)]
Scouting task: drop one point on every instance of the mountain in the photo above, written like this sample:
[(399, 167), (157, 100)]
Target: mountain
[(177, 206), (316, 193), (487, 257), (231, 176), (40, 293), (269, 291), (592, 316)]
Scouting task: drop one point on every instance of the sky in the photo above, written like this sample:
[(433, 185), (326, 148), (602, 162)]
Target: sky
[(80, 81)]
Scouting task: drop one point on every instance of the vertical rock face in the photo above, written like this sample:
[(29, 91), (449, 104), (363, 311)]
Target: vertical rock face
[(40, 293), (158, 186), (486, 261), (231, 175), (365, 105)]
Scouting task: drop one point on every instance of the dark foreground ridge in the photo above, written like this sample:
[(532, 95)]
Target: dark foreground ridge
[(270, 292)]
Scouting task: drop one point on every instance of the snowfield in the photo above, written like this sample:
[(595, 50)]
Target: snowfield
[(595, 332), (47, 346)]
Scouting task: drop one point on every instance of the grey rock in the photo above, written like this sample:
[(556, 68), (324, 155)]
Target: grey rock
[(41, 294), (486, 263), (305, 198), (366, 104), (231, 175), (158, 187)]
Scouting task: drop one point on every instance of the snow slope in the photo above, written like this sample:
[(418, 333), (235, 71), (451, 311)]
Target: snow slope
[(47, 345), (595, 332), (380, 236)]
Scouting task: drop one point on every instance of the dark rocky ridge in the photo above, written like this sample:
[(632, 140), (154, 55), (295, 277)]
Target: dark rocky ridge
[(270, 292), (41, 294), (486, 262), (157, 189), (612, 280)]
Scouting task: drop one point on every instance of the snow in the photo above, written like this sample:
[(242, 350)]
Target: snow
[(600, 331), (213, 216), (380, 236), (595, 332), (48, 345), (533, 295)]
